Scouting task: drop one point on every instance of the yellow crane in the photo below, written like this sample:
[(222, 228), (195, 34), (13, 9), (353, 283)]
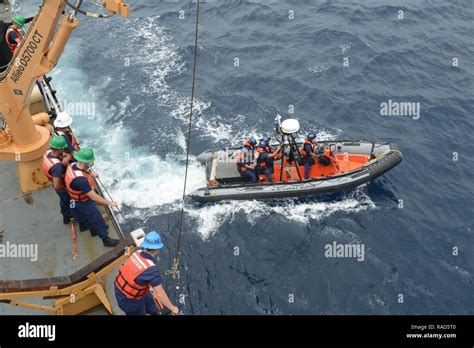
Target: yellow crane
[(25, 137)]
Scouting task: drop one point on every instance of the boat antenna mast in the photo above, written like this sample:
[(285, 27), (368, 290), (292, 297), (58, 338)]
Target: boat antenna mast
[(288, 129)]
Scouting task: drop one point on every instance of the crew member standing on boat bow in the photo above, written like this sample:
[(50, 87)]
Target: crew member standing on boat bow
[(138, 275)]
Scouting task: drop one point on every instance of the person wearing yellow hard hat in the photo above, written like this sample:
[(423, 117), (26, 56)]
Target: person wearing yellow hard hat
[(80, 187)]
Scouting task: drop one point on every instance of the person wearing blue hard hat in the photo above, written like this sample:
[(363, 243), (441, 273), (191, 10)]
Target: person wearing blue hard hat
[(265, 142), (265, 159), (307, 151), (139, 276)]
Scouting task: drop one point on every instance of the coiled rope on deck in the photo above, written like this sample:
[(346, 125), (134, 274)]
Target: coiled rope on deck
[(177, 256)]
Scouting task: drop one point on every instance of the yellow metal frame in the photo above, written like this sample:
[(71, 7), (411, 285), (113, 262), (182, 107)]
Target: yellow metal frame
[(74, 299)]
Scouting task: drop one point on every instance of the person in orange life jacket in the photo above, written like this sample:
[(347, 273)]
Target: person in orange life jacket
[(14, 34), (55, 162), (62, 125), (6, 53), (307, 151), (264, 160), (138, 275), (268, 149), (244, 163), (80, 186)]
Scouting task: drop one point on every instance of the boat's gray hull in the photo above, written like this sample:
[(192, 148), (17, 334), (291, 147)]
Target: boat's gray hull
[(387, 157)]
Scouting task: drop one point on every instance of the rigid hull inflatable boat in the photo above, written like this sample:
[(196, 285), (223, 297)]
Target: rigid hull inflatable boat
[(359, 162)]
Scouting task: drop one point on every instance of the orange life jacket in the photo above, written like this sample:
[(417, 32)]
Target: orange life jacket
[(129, 272), (245, 158), (71, 136), (12, 45), (248, 144), (49, 161), (303, 151), (72, 173)]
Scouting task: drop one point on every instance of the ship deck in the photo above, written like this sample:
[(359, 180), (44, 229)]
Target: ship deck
[(35, 219)]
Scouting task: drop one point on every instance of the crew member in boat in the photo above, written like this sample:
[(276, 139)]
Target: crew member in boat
[(55, 162), (307, 152), (265, 159), (62, 127), (80, 186), (268, 149), (246, 159), (138, 275)]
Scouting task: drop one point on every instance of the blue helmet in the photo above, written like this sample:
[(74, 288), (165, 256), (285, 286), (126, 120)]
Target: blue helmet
[(253, 141), (311, 136), (152, 241), (262, 143)]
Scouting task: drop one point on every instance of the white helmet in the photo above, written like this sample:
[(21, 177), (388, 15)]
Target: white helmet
[(63, 120)]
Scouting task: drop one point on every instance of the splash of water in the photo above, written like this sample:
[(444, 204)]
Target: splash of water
[(211, 217)]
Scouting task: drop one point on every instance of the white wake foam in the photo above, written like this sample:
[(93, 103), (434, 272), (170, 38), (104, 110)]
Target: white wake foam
[(211, 217)]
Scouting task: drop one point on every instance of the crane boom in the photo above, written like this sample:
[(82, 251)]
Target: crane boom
[(22, 140)]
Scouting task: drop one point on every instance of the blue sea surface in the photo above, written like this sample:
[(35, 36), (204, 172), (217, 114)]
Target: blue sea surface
[(257, 58)]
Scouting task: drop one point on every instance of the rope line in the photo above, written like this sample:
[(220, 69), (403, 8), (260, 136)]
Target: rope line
[(181, 220)]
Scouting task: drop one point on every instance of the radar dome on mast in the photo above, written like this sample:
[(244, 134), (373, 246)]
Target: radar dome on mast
[(290, 126)]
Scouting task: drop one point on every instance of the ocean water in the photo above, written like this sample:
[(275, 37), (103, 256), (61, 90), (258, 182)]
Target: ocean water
[(334, 63)]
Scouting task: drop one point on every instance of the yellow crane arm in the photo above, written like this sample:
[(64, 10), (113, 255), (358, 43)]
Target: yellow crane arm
[(38, 54)]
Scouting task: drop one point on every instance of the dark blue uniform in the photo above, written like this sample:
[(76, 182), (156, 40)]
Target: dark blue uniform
[(58, 171), (146, 305), (244, 161), (87, 213), (68, 137), (265, 159), (307, 160)]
